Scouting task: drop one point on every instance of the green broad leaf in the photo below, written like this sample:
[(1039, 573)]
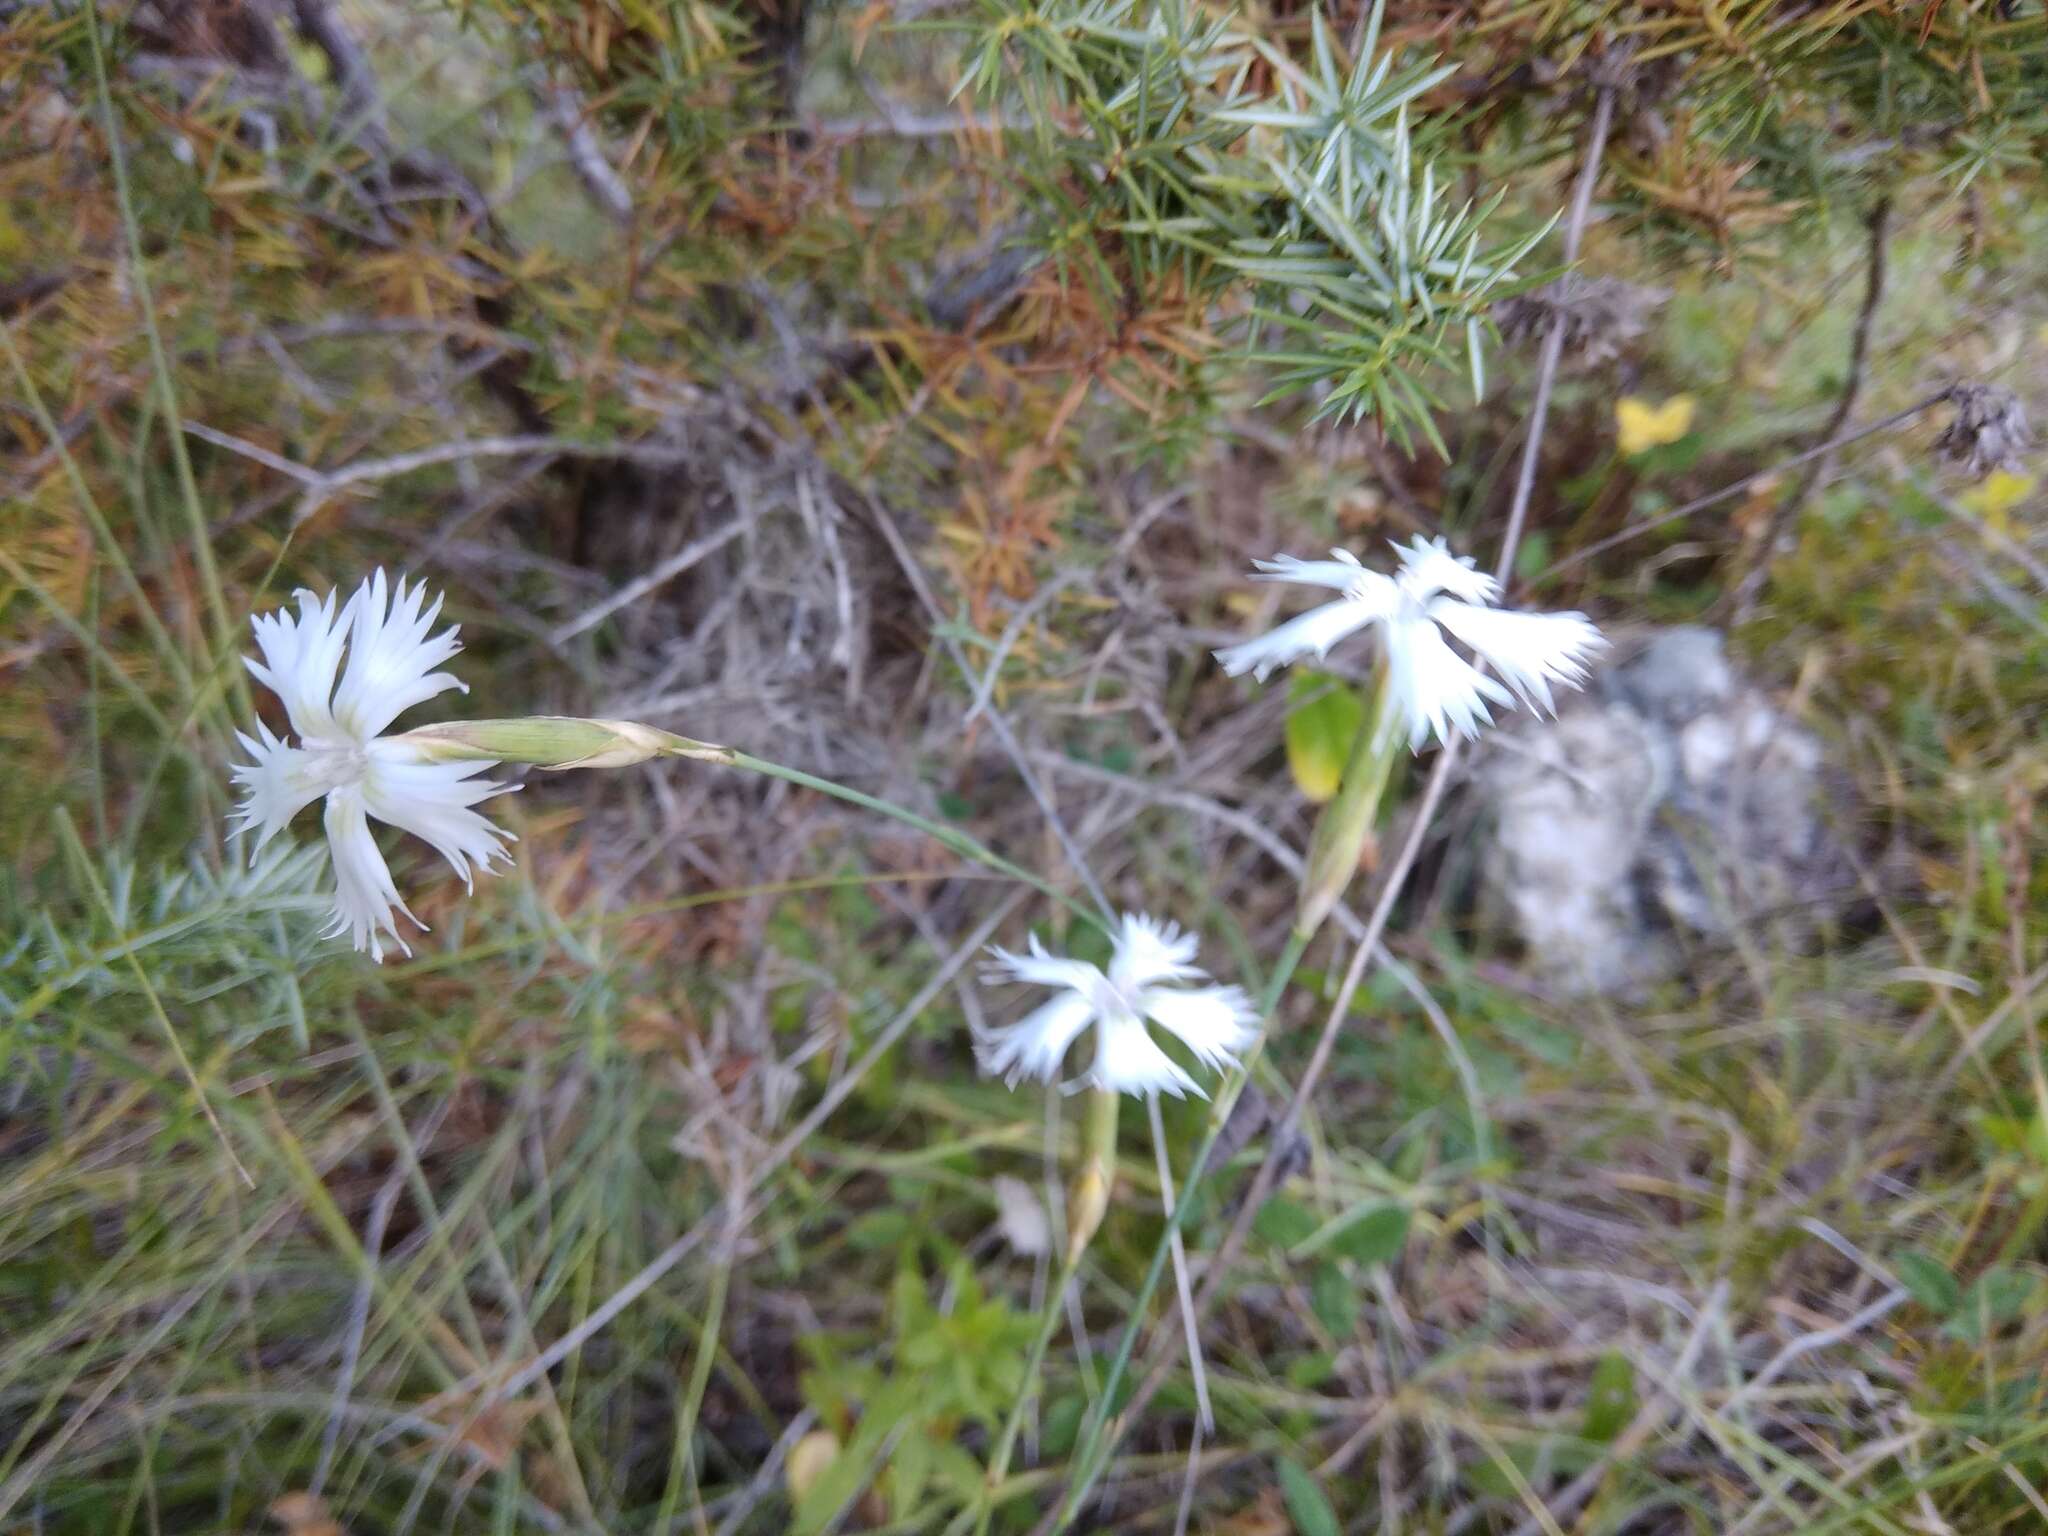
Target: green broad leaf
[(1412, 1161), (1534, 557), (1997, 1297), (1062, 1425), (1307, 1505), (1610, 1398), (1332, 1299), (1929, 1280), (1284, 1223), (1549, 1044), (1374, 1236), (877, 1231), (910, 1311), (2008, 1133), (1309, 1372), (2036, 1142), (956, 1471), (1324, 721)]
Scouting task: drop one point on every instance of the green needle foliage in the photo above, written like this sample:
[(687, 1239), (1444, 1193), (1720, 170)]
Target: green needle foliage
[(1174, 153)]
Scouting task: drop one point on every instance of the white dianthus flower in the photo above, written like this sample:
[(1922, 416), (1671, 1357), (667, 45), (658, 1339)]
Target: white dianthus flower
[(1434, 689), (342, 755), (1215, 1023)]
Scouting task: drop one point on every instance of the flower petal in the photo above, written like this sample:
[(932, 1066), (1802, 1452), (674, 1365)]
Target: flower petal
[(432, 801), (1148, 950), (364, 897), (282, 782), (391, 658), (300, 655), (1529, 650), (1037, 1043), (1428, 567), (1129, 1060), (1312, 634), (1341, 571), (1044, 969), (1433, 688), (1214, 1022)]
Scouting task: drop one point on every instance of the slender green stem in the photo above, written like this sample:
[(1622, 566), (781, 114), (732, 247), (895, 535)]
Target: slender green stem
[(950, 837), (1006, 1443), (174, 421), (145, 611), (90, 642), (1346, 822), (682, 1463), (562, 742), (1091, 1448), (968, 847), (76, 848), (1184, 1292)]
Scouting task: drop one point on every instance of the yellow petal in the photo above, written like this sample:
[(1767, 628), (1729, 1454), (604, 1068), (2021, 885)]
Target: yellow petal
[(2001, 491), (1642, 426)]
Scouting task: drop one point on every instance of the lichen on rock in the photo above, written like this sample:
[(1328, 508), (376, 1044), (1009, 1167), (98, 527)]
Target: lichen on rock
[(1673, 805)]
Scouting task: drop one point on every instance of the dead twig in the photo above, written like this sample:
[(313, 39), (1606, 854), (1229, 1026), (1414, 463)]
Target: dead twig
[(566, 110), (1784, 517), (639, 587), (322, 485), (1736, 488)]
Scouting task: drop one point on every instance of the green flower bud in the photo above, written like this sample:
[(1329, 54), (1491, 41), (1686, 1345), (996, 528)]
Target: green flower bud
[(1088, 1198), (1347, 821), (556, 742)]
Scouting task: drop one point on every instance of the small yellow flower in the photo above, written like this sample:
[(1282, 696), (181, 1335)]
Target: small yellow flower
[(809, 1460), (1642, 426), (2001, 491)]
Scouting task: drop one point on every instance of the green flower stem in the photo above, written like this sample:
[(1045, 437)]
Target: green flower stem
[(983, 1511), (1346, 823), (682, 1456), (950, 837), (1340, 837), (1087, 1204), (561, 742), (1093, 1446)]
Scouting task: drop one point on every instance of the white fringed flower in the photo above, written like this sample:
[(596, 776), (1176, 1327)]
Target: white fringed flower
[(1435, 690), (342, 754), (1215, 1023)]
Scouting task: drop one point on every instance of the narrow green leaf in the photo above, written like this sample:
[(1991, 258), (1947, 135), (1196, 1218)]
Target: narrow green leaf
[(1375, 1236), (1333, 1300), (1283, 1223), (1610, 1399), (1307, 1505)]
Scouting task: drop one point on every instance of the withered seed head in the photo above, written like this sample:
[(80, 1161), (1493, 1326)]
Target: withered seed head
[(1600, 315), (1989, 431)]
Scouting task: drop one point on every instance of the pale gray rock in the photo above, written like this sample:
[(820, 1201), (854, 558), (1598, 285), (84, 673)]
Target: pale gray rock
[(1670, 806)]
